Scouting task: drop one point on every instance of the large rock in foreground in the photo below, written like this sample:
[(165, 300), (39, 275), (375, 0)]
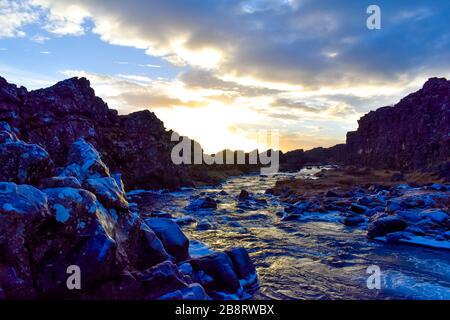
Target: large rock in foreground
[(82, 218)]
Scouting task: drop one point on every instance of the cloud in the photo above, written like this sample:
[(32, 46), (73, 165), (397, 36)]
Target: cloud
[(294, 104), (63, 18), (305, 43), (129, 93), (413, 15), (14, 15), (150, 100), (283, 116), (39, 38), (135, 78), (150, 65), (198, 78)]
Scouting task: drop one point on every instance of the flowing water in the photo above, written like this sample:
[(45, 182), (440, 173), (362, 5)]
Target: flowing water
[(316, 258)]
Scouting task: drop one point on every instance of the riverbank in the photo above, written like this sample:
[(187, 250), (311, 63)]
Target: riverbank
[(393, 207)]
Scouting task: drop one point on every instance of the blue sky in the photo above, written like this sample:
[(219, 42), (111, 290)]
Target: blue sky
[(223, 71), (51, 56)]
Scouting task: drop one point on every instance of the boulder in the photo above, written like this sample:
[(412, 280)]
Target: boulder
[(151, 251), (84, 162), (244, 195), (23, 210), (24, 163), (216, 273), (299, 207), (438, 187), (156, 282), (436, 215), (384, 225), (242, 263), (175, 242), (108, 192), (415, 230), (418, 198), (78, 210), (194, 291), (202, 203), (411, 216), (184, 220), (357, 208), (353, 221), (395, 237), (205, 225), (366, 201)]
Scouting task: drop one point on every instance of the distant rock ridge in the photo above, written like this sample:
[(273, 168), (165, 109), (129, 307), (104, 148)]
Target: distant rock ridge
[(412, 135), (137, 144)]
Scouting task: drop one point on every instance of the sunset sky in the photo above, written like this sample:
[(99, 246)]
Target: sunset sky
[(220, 70)]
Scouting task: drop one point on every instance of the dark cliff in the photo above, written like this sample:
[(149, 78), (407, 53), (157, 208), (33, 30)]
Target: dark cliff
[(413, 134), (137, 144)]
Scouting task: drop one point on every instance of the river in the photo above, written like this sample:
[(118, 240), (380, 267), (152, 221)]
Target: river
[(316, 258)]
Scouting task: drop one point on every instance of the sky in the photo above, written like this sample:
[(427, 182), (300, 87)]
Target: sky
[(227, 72)]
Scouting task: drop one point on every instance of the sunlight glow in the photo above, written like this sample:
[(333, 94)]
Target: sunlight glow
[(214, 126)]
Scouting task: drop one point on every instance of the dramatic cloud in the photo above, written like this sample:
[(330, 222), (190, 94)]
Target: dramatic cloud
[(308, 43)]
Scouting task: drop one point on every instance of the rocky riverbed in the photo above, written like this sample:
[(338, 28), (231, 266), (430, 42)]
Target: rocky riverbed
[(78, 217), (310, 235), (319, 245)]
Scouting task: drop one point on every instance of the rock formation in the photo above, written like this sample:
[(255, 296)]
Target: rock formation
[(63, 204), (413, 134), (137, 145)]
